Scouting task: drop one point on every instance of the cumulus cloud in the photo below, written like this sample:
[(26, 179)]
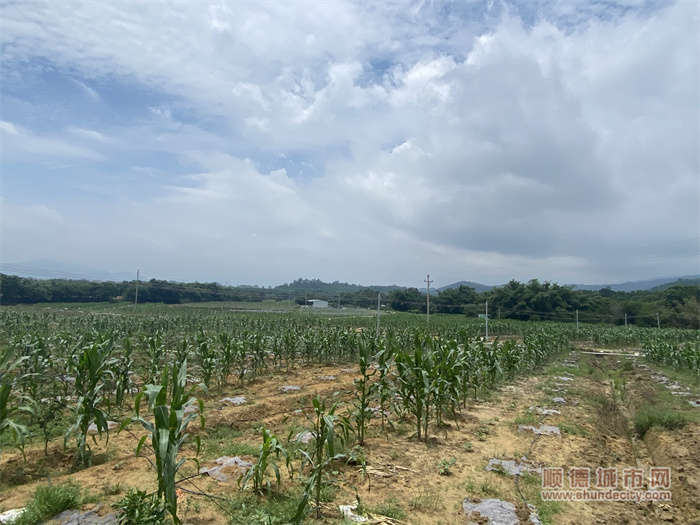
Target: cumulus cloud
[(278, 141)]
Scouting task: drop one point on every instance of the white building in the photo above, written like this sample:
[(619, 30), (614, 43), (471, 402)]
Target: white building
[(318, 303)]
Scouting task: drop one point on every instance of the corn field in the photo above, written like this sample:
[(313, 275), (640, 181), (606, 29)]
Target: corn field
[(64, 371)]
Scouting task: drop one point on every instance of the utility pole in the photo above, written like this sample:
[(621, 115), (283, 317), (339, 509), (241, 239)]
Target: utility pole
[(658, 322), (338, 301), (487, 319), (576, 323), (379, 306), (427, 318), (136, 297), (625, 318)]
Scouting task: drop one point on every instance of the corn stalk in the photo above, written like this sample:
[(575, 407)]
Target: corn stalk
[(168, 430)]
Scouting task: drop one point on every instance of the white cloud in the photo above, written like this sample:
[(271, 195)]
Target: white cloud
[(89, 134), (19, 143), (417, 135), (9, 128)]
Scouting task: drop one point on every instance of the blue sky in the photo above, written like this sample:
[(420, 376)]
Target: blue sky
[(258, 142)]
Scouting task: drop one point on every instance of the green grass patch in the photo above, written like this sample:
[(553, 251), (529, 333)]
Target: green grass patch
[(246, 507), (610, 418), (574, 430), (427, 500), (659, 416), (583, 370), (391, 508), (527, 418), (531, 486), (486, 488), (222, 442), (49, 500), (685, 377), (138, 507)]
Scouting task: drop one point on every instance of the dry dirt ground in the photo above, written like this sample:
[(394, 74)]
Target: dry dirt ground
[(602, 393)]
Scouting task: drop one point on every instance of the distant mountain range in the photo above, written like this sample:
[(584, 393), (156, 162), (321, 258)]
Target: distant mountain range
[(629, 286), (478, 287), (49, 269), (650, 284)]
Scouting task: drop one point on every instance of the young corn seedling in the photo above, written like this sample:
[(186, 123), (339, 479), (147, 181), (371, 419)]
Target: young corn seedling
[(414, 383), (324, 453), (91, 368), (7, 409), (168, 430), (271, 449), (445, 466), (154, 350), (124, 367), (383, 386), (362, 414), (226, 357), (207, 360)]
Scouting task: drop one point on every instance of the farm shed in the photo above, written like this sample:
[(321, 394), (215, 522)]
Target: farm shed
[(318, 303)]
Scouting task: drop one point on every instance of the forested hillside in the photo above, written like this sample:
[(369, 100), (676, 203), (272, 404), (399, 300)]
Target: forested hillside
[(676, 306)]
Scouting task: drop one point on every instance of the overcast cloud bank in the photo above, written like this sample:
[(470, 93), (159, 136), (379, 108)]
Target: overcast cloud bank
[(363, 142)]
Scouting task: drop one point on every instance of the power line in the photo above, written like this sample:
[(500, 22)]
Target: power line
[(46, 272)]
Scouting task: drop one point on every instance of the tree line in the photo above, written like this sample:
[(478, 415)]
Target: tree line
[(672, 306)]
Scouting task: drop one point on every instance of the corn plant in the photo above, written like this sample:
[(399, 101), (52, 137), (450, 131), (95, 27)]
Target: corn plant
[(6, 412), (46, 395), (240, 359), (309, 346), (226, 357), (289, 347), (413, 384), (270, 447), (362, 414), (124, 366), (323, 454), (276, 347), (182, 351), (154, 350), (445, 379), (383, 387), (168, 431), (207, 360), (91, 367), (258, 352)]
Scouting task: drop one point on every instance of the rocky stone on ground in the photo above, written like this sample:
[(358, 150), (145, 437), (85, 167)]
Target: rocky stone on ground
[(238, 400), (304, 437), (544, 430), (496, 511), (512, 468), (544, 411), (226, 466), (90, 517), (10, 515), (111, 425)]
